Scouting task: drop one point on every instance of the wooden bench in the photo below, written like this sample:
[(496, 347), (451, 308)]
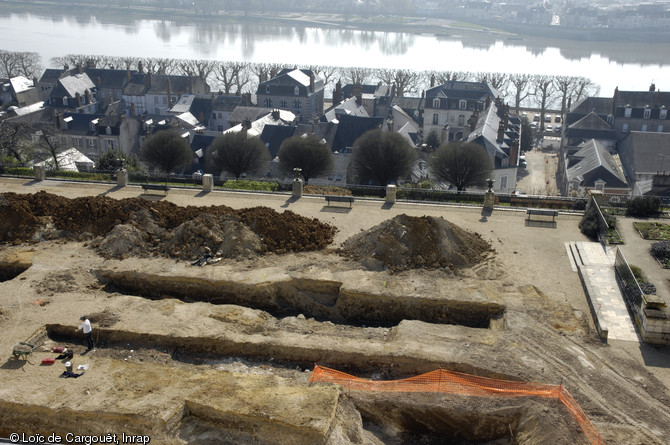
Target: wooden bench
[(542, 212), (156, 187), (339, 198)]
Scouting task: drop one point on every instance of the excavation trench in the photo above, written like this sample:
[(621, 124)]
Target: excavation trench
[(260, 352), (322, 300), (9, 271)]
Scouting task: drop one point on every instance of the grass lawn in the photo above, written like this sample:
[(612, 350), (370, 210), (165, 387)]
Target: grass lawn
[(653, 230)]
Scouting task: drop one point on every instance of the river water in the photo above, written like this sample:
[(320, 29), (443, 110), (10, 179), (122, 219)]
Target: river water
[(630, 66)]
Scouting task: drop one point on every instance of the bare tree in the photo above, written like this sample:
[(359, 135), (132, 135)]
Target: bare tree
[(405, 81), (328, 73), (564, 86), (584, 87), (520, 87), (14, 64), (232, 76), (498, 81), (356, 75), (196, 67), (543, 91), (448, 76), (50, 146), (13, 140)]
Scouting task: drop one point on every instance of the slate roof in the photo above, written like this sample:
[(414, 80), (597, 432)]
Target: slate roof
[(646, 148), (602, 106), (108, 78), (71, 85), (641, 99), (51, 75), (457, 89), (274, 136), (240, 114), (285, 118), (595, 162), (348, 106), (486, 135), (80, 124), (350, 128), (590, 126), (284, 83), (21, 84)]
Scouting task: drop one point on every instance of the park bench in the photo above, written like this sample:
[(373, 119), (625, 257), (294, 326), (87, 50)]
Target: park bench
[(542, 212), (155, 187), (339, 198)]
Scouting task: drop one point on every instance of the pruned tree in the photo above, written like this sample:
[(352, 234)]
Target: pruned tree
[(498, 81), (520, 85), (112, 160), (356, 75), (564, 85), (327, 73), (309, 153), (447, 76), (543, 90), (232, 76), (584, 87), (237, 153), (14, 64), (382, 157), (405, 81), (196, 67), (50, 146), (462, 164), (168, 151)]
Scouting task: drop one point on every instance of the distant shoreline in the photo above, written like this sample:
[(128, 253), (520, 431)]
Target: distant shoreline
[(414, 25)]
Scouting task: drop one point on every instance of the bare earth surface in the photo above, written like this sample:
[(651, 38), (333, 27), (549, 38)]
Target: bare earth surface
[(222, 353)]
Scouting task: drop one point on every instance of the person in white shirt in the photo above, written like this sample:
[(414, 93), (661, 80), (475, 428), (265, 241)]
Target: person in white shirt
[(86, 327)]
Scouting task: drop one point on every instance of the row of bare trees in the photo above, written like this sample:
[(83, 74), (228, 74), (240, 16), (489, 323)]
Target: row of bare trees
[(538, 91), (14, 64)]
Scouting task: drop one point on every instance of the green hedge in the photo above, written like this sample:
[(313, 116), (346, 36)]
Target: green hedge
[(84, 176), (18, 171), (246, 184)]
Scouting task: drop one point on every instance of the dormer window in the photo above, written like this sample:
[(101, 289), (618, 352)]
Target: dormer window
[(663, 114), (267, 89), (610, 119), (628, 111), (463, 104), (647, 113), (296, 91), (92, 124), (65, 100), (108, 130), (436, 103)]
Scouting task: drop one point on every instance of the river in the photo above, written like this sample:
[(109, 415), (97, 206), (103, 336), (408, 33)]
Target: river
[(630, 66)]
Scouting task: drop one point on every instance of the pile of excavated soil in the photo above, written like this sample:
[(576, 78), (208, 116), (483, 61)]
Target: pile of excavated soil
[(408, 242), (139, 227)]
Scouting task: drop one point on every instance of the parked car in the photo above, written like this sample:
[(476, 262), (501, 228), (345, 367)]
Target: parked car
[(557, 119), (548, 128), (536, 118), (547, 118), (558, 128)]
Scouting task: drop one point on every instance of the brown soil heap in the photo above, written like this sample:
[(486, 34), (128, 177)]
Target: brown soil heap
[(408, 242), (140, 227)]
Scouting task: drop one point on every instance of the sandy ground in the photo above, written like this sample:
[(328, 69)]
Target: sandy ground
[(548, 335)]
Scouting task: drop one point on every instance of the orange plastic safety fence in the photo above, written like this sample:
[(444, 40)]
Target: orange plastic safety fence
[(451, 382)]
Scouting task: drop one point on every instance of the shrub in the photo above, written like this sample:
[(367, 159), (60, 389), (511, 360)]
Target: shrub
[(245, 184), (589, 225), (19, 171), (643, 206), (661, 250)]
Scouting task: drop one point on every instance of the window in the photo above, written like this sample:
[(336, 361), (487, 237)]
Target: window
[(436, 103), (471, 107), (451, 119), (647, 113), (628, 111), (435, 118), (461, 119), (610, 119), (156, 100), (110, 144), (282, 104), (267, 89), (663, 114), (463, 105), (503, 182), (296, 104), (644, 127), (164, 100), (108, 130), (174, 99), (91, 143), (77, 142), (220, 115), (220, 128), (660, 129), (624, 128), (65, 100), (296, 91), (268, 102)]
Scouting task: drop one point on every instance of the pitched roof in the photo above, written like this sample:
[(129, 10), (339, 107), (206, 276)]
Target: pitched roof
[(240, 114), (486, 135), (596, 163), (108, 78), (591, 126), (51, 75), (641, 99), (348, 106), (350, 128), (77, 83), (274, 136), (21, 84), (599, 105), (457, 89), (649, 149)]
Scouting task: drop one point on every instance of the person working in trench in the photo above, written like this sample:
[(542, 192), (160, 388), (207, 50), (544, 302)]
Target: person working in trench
[(88, 331)]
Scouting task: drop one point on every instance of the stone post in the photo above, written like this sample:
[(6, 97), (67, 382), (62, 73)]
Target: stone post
[(40, 173), (297, 188), (122, 177), (207, 182), (390, 194), (489, 197)]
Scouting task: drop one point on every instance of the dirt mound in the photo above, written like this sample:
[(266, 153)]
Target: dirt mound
[(140, 227), (407, 242)]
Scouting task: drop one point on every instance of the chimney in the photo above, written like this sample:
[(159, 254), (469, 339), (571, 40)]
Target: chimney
[(90, 63), (652, 87), (147, 80), (77, 97), (275, 115), (443, 136), (80, 69), (128, 75), (66, 67), (337, 95), (311, 82), (501, 132), (357, 92), (87, 97), (140, 67), (133, 112), (488, 102), (616, 93), (432, 80), (474, 117), (34, 81), (190, 84), (514, 153), (246, 124)]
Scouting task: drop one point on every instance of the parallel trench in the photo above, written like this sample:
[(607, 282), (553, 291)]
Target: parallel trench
[(319, 299), (9, 271)]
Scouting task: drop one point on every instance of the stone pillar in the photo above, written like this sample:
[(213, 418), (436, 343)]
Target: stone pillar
[(489, 197), (40, 173), (390, 194), (297, 188), (597, 196), (207, 182), (122, 177)]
